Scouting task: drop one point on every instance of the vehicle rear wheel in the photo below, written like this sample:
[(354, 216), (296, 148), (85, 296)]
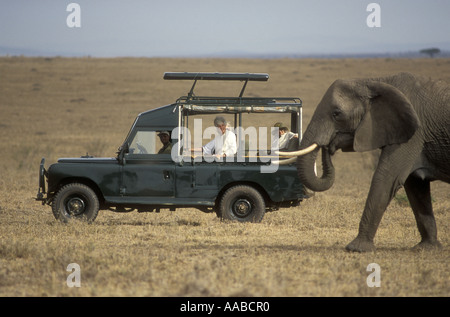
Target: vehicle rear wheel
[(242, 203), (75, 201)]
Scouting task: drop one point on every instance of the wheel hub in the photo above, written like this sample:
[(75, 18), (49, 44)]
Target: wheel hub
[(242, 207), (75, 206)]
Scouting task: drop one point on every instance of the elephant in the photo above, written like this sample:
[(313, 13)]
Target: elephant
[(408, 118)]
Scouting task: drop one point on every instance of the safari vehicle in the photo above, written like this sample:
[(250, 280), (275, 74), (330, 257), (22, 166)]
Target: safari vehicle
[(138, 178)]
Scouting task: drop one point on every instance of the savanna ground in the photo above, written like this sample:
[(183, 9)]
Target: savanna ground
[(61, 107)]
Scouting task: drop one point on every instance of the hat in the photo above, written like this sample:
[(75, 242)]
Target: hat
[(280, 126), (163, 132)]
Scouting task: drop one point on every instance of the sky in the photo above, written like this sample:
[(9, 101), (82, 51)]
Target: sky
[(175, 28)]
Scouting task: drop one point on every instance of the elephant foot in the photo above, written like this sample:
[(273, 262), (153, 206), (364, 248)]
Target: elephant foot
[(360, 245), (427, 245)]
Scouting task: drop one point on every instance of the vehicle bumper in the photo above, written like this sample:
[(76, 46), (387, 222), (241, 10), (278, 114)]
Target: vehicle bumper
[(43, 174)]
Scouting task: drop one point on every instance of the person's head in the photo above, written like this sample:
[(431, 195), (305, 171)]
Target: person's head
[(221, 124), (281, 129), (164, 136)]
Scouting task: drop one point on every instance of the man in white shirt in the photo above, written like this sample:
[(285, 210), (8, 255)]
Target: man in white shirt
[(223, 144)]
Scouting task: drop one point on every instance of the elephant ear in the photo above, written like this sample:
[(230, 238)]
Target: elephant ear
[(389, 119)]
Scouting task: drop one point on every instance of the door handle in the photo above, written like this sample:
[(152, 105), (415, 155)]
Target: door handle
[(166, 174)]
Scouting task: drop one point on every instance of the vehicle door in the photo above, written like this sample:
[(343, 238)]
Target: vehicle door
[(197, 180), (146, 173)]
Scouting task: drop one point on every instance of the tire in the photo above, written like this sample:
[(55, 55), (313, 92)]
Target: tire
[(242, 203), (75, 201)]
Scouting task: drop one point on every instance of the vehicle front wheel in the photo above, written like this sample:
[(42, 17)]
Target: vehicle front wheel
[(75, 201), (242, 203)]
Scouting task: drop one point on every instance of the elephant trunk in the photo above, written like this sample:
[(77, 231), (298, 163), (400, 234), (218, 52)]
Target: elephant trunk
[(307, 174)]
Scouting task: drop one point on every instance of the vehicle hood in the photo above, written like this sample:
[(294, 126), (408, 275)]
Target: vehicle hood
[(88, 160)]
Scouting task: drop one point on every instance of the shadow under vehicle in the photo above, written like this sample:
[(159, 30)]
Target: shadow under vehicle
[(240, 188)]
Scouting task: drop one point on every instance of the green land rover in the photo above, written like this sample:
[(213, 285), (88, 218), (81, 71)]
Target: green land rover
[(141, 177)]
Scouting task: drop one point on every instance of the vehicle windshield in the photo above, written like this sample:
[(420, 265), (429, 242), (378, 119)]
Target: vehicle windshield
[(151, 142)]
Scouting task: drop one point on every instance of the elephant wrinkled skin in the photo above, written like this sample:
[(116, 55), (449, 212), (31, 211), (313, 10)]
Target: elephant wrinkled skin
[(408, 118)]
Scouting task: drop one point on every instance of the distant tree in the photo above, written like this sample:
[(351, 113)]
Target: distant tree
[(430, 51)]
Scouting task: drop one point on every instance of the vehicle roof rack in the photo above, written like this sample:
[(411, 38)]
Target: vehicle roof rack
[(216, 76), (246, 77)]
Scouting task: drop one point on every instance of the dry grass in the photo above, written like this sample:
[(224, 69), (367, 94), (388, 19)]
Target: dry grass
[(58, 107)]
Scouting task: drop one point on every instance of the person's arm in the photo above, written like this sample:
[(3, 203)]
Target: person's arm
[(208, 148)]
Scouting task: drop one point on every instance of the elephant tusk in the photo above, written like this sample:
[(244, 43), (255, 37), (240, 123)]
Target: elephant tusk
[(300, 152), (285, 162)]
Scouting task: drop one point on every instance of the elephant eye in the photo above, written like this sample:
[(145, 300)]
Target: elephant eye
[(336, 113)]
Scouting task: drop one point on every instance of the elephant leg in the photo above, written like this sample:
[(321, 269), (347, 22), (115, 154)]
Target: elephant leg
[(380, 195), (419, 196), (392, 171)]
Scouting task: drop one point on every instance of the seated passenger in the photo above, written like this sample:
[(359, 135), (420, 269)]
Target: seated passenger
[(223, 144), (287, 141), (164, 136)]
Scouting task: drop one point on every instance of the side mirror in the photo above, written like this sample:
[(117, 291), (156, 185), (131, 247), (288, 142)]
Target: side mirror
[(124, 149)]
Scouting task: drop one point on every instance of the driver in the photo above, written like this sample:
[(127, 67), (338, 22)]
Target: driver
[(164, 136)]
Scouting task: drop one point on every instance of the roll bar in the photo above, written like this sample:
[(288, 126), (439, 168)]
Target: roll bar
[(246, 77)]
